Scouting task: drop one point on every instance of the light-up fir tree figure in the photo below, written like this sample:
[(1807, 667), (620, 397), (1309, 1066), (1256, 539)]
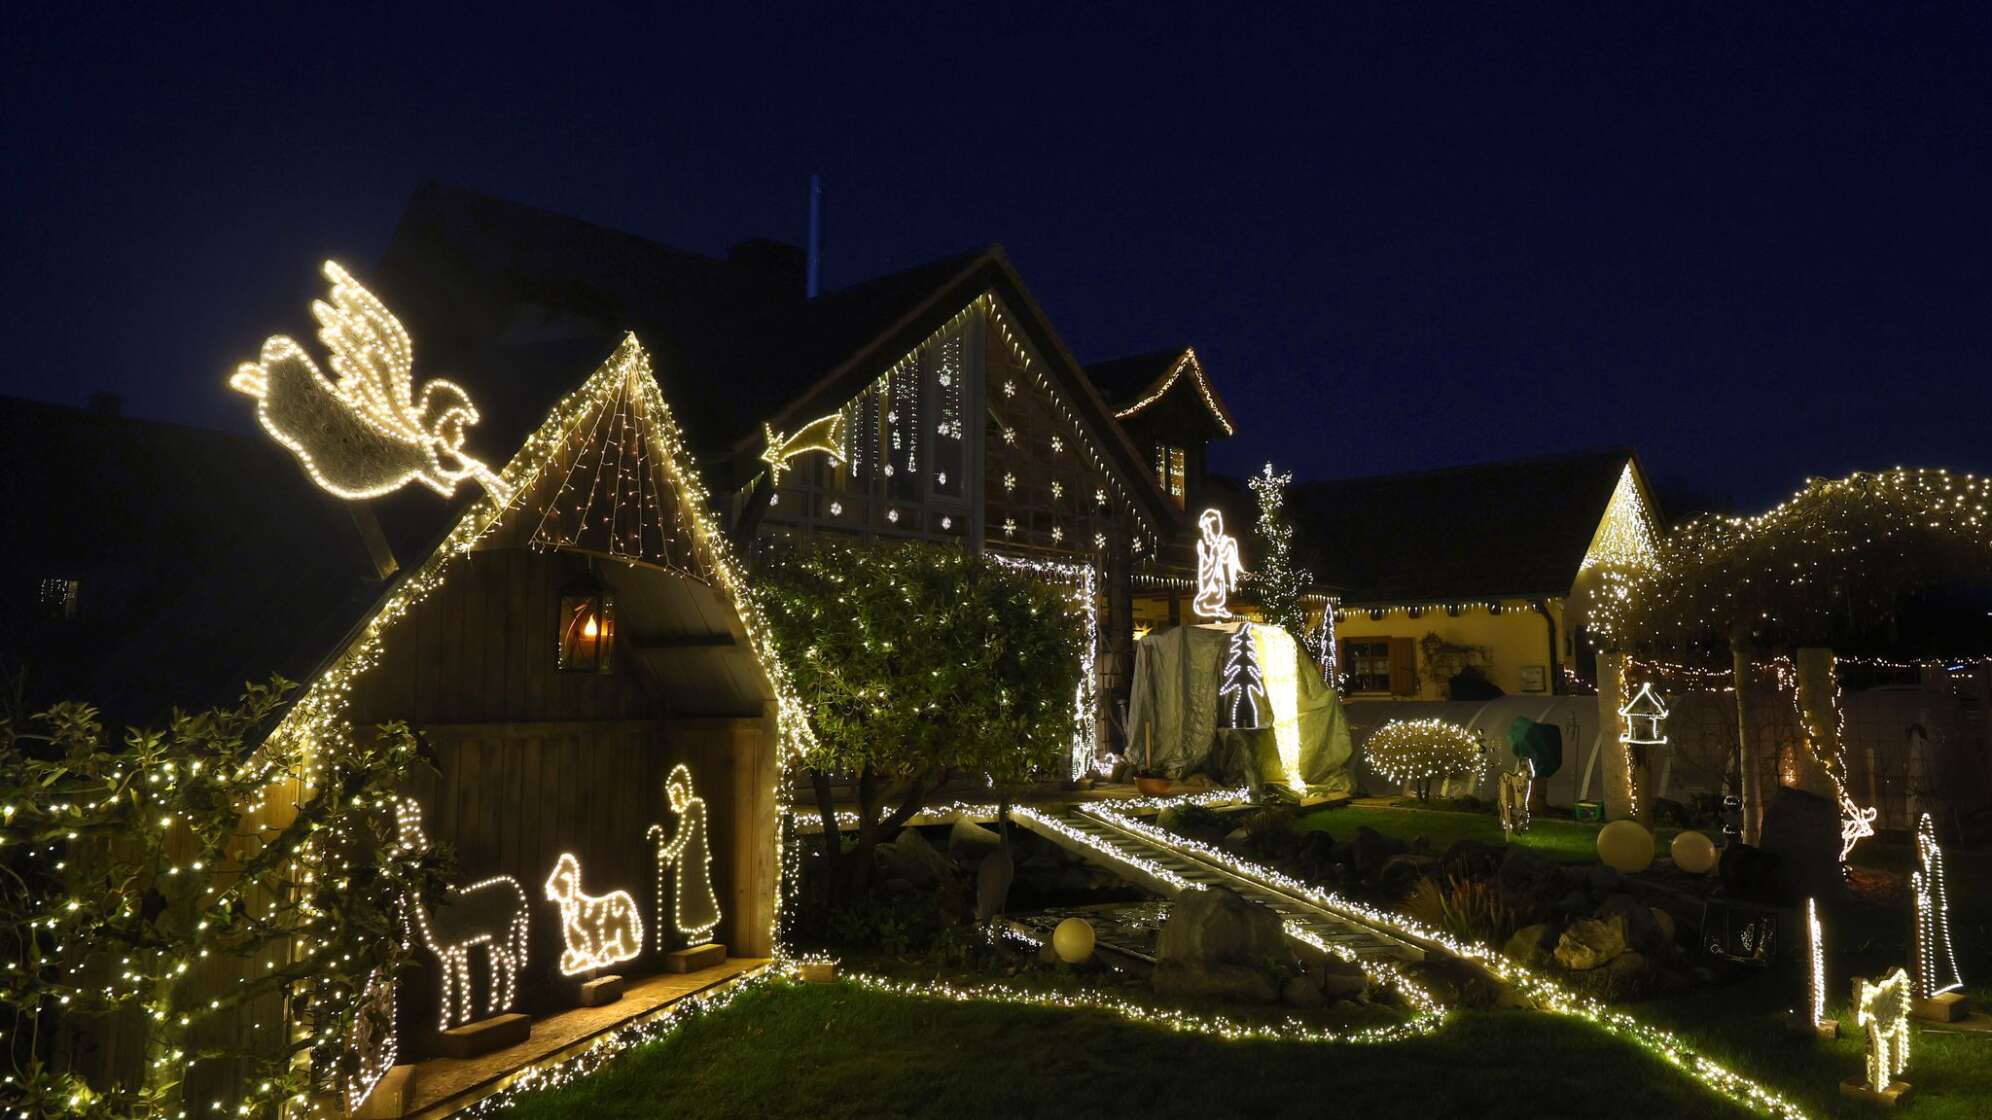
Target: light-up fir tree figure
[(695, 910), (1242, 684)]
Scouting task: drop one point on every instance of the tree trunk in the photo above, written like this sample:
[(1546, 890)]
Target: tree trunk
[(1620, 765), (1752, 792)]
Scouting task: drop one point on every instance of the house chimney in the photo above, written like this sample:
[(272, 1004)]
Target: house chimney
[(815, 236), (105, 404)]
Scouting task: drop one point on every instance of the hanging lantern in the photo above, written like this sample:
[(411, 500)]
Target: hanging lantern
[(587, 628)]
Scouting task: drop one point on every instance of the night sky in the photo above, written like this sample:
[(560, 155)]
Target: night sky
[(1754, 246)]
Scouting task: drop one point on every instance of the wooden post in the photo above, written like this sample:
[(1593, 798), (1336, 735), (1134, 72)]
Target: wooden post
[(1746, 750)]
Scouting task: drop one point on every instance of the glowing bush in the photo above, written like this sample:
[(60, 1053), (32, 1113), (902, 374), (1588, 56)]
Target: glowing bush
[(1415, 752)]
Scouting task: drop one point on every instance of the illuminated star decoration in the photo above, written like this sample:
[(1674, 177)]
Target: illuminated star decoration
[(825, 434), (369, 433)]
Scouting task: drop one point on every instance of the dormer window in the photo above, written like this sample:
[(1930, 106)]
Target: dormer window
[(1169, 472), (58, 599)]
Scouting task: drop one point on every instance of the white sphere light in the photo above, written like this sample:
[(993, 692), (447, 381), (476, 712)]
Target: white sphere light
[(1073, 940), (1693, 853), (1625, 846)]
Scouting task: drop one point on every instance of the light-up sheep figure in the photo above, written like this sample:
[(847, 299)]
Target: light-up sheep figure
[(1884, 1010), (695, 909), (490, 913), (1936, 962), (600, 930), (1218, 568)]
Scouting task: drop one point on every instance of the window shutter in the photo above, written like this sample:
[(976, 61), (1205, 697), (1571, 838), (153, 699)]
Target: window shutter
[(1403, 667)]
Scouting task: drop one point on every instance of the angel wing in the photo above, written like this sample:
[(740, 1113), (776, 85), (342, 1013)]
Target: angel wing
[(371, 354)]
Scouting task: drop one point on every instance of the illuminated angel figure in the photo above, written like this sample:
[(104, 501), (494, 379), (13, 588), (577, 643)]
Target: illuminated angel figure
[(368, 433), (1936, 962), (695, 910), (1218, 568)]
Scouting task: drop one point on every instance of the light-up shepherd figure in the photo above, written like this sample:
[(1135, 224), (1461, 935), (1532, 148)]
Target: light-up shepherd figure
[(1218, 568), (695, 910)]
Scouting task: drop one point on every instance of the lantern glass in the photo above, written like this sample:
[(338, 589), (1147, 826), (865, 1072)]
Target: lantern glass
[(587, 631)]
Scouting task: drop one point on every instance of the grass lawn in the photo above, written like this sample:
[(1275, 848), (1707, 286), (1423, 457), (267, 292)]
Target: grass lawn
[(837, 1051), (1558, 840)]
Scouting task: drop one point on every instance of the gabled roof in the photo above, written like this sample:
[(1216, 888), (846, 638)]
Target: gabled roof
[(1134, 384), (1518, 528), (500, 294), (205, 560)]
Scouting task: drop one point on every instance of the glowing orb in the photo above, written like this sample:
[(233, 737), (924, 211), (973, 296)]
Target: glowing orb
[(1073, 940), (1625, 846), (1694, 853)]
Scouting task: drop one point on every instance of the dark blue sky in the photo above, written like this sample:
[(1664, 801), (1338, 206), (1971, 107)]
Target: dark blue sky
[(1752, 243)]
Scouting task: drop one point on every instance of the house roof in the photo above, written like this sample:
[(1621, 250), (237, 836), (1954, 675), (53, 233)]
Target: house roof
[(1518, 528), (204, 560), (508, 297), (1132, 384)]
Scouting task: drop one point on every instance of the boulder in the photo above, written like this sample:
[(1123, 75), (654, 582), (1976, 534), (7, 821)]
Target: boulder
[(1300, 991), (1642, 931), (1401, 871), (1215, 979), (1631, 975), (1527, 947), (1590, 943), (1602, 881), (1472, 859), (992, 883), (1218, 926), (1337, 978), (968, 842), (1802, 831), (1371, 849), (1666, 923), (911, 858)]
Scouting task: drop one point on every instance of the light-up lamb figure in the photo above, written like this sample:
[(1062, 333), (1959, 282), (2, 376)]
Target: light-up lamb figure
[(599, 930), (695, 910)]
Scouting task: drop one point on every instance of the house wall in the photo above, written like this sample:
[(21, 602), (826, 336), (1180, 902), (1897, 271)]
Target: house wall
[(1502, 644)]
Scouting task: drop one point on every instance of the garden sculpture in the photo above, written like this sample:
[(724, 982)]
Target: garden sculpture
[(490, 914), (695, 910), (1884, 1010), (599, 929)]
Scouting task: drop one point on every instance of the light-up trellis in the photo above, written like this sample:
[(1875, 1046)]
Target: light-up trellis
[(1081, 586), (368, 433)]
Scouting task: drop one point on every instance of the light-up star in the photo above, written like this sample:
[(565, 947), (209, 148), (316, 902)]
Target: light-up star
[(825, 434)]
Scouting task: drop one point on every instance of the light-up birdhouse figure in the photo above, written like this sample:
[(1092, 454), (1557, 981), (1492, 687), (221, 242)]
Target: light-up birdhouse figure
[(587, 629), (1645, 719)]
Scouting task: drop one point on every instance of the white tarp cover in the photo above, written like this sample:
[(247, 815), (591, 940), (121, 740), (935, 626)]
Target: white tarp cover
[(1172, 717)]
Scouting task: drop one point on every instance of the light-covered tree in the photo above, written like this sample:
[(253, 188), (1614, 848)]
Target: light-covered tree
[(918, 664), (1417, 752), (1279, 580)]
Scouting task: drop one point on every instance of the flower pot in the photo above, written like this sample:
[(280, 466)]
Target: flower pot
[(1154, 787)]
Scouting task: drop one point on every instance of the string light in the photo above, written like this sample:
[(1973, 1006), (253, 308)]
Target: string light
[(1884, 1010), (368, 434), (1186, 364), (490, 913), (374, 1045), (1856, 823), (1628, 535), (600, 930), (695, 910), (1081, 584), (1241, 681), (1815, 975), (1415, 751), (1935, 961)]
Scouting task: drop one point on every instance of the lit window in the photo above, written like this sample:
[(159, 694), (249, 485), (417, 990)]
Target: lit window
[(1367, 661), (1169, 472)]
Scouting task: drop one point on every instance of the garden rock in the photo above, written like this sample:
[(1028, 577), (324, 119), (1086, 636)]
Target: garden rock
[(1371, 849), (1401, 871), (968, 842), (1215, 925), (1642, 932), (1338, 979), (1472, 859), (1590, 943), (1222, 981), (992, 883), (1300, 991), (1630, 974), (1526, 946), (911, 858)]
